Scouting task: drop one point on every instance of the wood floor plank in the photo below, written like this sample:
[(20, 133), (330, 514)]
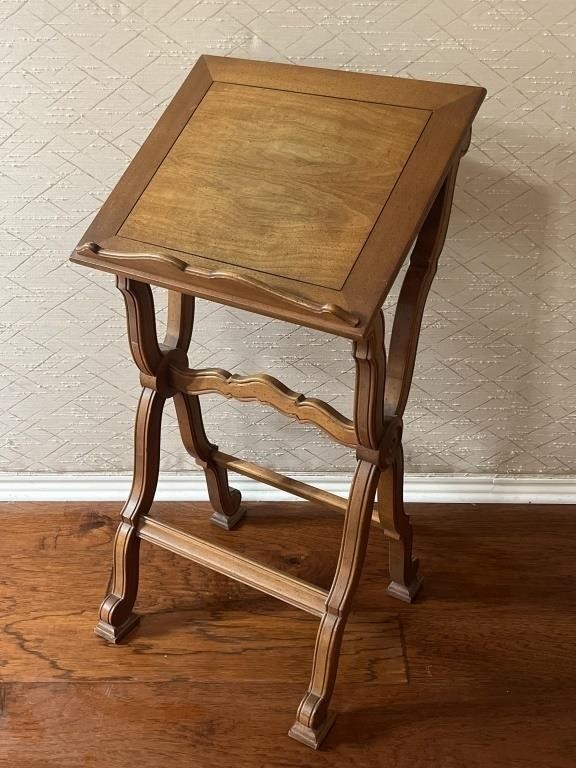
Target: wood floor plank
[(480, 671), (193, 645), (65, 725)]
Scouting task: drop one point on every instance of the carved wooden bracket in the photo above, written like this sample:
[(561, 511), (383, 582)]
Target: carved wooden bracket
[(153, 359), (141, 321), (232, 279), (266, 389)]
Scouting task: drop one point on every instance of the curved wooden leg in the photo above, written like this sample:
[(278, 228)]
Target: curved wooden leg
[(404, 570), (116, 617), (224, 500), (405, 578), (313, 719)]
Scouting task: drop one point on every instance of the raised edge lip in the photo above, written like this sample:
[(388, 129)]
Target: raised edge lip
[(208, 57)]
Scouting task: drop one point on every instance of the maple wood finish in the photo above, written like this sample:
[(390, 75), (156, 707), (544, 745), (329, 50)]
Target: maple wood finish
[(397, 209), (483, 673), (297, 193), (295, 212)]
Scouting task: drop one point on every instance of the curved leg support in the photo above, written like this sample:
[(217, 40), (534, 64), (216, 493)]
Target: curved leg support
[(406, 580), (116, 617), (313, 719), (224, 500)]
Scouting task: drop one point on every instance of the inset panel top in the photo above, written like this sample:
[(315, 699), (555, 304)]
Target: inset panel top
[(291, 191), (287, 184)]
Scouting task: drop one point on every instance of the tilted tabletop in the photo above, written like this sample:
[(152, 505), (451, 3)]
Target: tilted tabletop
[(294, 192)]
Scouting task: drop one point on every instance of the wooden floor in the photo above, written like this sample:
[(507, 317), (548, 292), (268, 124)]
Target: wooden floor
[(479, 673)]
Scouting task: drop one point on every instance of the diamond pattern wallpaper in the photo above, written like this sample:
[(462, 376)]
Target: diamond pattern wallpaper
[(81, 85)]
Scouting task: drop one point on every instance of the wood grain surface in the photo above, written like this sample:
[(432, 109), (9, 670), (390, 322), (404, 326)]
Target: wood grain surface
[(305, 180), (479, 671), (282, 183)]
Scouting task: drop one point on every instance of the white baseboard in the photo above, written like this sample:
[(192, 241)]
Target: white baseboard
[(460, 489)]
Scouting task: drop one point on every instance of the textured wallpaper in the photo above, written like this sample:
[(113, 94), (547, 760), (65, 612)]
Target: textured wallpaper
[(82, 83)]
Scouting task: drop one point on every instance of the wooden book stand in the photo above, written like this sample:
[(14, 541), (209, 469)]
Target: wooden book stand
[(296, 193)]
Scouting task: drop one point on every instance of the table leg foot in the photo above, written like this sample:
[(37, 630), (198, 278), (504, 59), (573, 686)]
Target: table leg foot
[(406, 592), (312, 737), (114, 634), (228, 521)]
